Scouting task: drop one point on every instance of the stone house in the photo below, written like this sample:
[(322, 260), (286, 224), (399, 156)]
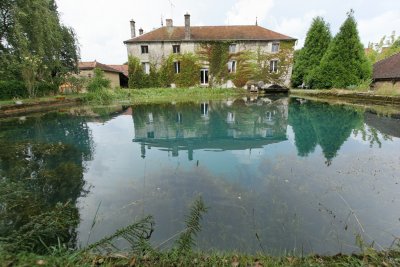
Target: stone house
[(153, 47), (117, 74), (386, 73)]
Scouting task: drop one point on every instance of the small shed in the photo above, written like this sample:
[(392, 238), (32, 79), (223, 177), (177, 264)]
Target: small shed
[(386, 73)]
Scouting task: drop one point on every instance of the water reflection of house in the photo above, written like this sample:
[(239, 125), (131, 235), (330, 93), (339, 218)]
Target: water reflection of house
[(386, 125), (221, 125)]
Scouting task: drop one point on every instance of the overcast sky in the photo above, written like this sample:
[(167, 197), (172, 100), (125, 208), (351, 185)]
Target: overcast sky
[(103, 25)]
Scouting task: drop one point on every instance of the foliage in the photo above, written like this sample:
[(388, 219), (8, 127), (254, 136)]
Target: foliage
[(186, 242), (102, 97), (217, 55), (98, 82), (344, 63), (137, 235), (12, 89), (385, 48), (285, 60), (189, 71), (48, 227), (137, 77), (245, 69), (167, 72), (309, 57), (34, 45), (76, 83)]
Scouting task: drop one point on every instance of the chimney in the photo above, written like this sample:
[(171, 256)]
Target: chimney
[(140, 31), (187, 26), (133, 29), (169, 22)]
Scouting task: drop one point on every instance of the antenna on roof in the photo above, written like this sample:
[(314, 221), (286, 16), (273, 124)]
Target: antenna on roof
[(172, 8), (162, 22), (256, 21)]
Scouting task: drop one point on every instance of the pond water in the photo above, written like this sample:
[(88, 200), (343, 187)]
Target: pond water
[(278, 174)]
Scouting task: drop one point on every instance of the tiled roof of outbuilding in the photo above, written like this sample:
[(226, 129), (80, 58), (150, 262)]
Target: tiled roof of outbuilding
[(388, 68), (94, 64), (211, 33), (121, 68)]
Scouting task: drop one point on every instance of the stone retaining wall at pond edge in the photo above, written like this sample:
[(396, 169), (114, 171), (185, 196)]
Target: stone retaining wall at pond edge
[(40, 106), (350, 96)]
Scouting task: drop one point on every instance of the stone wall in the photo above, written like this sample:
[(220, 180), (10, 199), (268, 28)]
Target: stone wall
[(161, 50), (387, 85), (112, 76)]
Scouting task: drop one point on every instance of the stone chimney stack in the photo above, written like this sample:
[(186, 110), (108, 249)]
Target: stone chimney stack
[(187, 26), (140, 31), (133, 29), (169, 23)]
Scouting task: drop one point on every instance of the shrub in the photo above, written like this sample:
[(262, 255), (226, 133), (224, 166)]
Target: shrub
[(98, 82), (137, 77), (76, 83), (12, 89)]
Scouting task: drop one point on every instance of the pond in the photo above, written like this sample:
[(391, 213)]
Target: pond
[(278, 174)]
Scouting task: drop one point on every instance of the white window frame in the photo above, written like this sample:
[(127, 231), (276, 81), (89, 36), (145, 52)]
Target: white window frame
[(144, 49), (177, 67), (176, 49), (273, 66), (203, 76), (232, 64), (275, 47), (146, 67), (232, 48)]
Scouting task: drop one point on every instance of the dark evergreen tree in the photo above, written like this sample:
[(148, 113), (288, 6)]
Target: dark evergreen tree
[(344, 63), (308, 58)]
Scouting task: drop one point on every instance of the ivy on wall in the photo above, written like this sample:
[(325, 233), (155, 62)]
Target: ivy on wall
[(189, 70), (284, 56), (214, 55)]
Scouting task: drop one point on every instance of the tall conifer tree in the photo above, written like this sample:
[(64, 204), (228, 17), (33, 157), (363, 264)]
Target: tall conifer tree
[(308, 58), (344, 63)]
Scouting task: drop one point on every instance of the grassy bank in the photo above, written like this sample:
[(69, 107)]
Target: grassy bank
[(65, 258), (161, 95), (117, 96)]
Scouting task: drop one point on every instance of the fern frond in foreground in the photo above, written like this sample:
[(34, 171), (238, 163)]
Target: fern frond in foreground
[(186, 241), (137, 235)]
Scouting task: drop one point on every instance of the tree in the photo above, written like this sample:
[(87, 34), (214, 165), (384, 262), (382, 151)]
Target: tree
[(387, 46), (308, 58), (344, 63), (32, 29)]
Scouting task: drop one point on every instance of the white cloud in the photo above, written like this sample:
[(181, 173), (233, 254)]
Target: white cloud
[(246, 11), (297, 27), (373, 29)]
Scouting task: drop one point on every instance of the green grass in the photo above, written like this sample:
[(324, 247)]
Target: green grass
[(161, 95), (68, 258)]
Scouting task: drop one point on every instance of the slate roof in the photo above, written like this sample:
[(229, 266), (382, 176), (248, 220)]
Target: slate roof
[(387, 69), (211, 33)]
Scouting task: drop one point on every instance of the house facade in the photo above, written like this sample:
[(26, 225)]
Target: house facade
[(386, 73), (154, 47)]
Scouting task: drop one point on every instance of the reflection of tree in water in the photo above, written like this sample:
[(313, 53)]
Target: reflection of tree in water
[(320, 123), (41, 165), (378, 127), (305, 137)]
